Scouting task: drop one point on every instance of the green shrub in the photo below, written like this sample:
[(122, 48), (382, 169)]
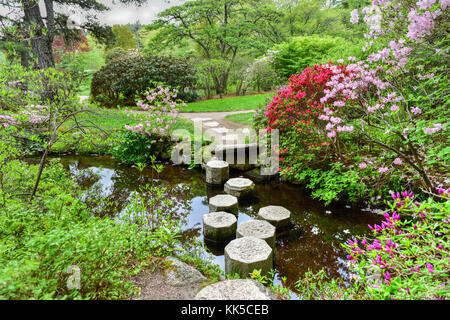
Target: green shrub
[(42, 239), (135, 147), (301, 52), (122, 79)]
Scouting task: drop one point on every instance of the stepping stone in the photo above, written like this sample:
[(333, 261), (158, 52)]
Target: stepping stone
[(246, 254), (201, 119), (223, 202), (219, 226), (241, 157), (240, 187), (230, 137), (237, 289), (211, 124), (220, 130), (258, 175), (260, 229), (278, 216), (217, 172)]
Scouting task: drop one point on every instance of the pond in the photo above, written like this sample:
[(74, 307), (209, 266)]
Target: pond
[(313, 243)]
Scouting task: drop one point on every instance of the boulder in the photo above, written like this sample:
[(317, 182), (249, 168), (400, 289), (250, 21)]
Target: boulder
[(237, 289), (180, 274)]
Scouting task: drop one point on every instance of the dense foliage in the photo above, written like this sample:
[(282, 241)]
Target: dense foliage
[(123, 78), (364, 127)]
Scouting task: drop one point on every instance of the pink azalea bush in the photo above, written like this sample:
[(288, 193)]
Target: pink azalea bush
[(381, 115), (407, 255), (150, 136)]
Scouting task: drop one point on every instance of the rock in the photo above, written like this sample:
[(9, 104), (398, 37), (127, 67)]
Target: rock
[(180, 274), (238, 289), (219, 226), (260, 229), (240, 187), (243, 255), (278, 216), (223, 202), (217, 172)]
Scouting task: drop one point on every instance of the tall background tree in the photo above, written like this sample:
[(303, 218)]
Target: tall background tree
[(219, 30), (33, 25)]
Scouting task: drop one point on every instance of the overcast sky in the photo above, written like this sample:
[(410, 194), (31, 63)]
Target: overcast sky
[(121, 14)]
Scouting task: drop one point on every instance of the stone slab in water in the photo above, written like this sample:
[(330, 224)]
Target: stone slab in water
[(217, 172), (219, 226), (279, 216), (258, 175), (223, 202), (243, 255), (240, 187), (241, 157), (237, 289), (260, 229)]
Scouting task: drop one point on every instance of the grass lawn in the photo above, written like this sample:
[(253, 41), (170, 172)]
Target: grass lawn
[(243, 118), (109, 120), (228, 104)]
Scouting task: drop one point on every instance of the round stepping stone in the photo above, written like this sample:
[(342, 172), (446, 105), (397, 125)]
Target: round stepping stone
[(217, 172), (260, 229), (240, 187), (243, 255), (219, 226), (278, 216), (236, 289), (223, 202), (211, 124)]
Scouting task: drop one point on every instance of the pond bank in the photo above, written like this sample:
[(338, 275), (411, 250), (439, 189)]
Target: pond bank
[(312, 244)]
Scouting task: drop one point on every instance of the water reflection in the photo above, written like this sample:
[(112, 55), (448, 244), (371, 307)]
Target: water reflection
[(312, 244)]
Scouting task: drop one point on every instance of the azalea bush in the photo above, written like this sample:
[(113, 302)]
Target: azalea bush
[(407, 255), (381, 118), (151, 135)]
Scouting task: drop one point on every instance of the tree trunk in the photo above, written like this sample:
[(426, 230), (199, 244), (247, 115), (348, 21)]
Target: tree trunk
[(42, 40)]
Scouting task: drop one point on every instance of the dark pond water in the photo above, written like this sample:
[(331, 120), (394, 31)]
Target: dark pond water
[(313, 243)]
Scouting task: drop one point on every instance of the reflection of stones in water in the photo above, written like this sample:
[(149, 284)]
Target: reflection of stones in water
[(216, 248), (249, 201), (212, 191), (190, 233), (289, 235)]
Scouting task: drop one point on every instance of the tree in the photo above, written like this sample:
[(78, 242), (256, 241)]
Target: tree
[(220, 29), (124, 37), (35, 27)]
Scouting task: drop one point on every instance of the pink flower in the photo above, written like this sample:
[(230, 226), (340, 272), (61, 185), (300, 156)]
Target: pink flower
[(398, 161), (430, 267), (354, 16), (363, 165), (383, 169), (416, 110), (394, 108)]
